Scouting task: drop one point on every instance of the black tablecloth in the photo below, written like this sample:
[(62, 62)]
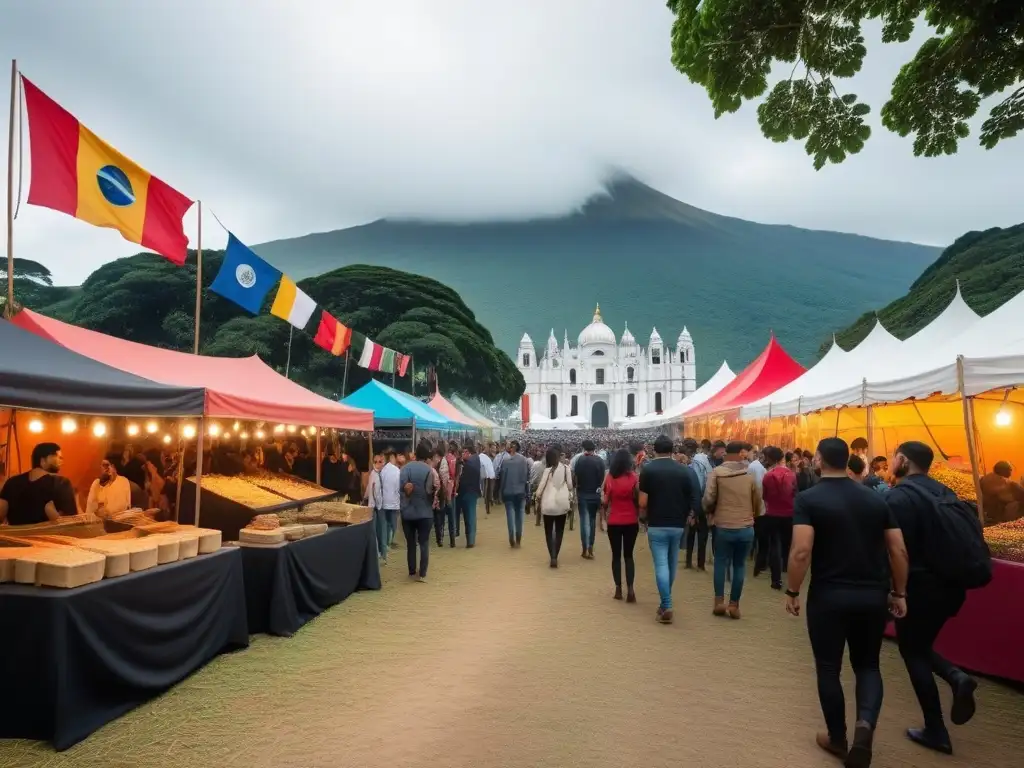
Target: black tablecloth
[(76, 659), (288, 584)]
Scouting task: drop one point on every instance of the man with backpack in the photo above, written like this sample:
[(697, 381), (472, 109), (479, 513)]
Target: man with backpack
[(948, 556)]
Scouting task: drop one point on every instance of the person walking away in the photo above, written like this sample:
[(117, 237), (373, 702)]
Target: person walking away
[(514, 487), (757, 468), (468, 489), (499, 460), (454, 460), (732, 501), (620, 499), (554, 498), (536, 472), (668, 496), (487, 468), (445, 509), (697, 527), (375, 501), (418, 493), (778, 490), (848, 537), (936, 588), (587, 478), (390, 480)]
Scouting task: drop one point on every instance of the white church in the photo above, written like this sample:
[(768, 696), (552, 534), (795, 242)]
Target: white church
[(602, 381)]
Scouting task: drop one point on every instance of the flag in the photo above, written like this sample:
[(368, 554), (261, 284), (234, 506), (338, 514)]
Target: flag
[(244, 277), (332, 335), (387, 360), (77, 173), (401, 363), (370, 356), (292, 304)]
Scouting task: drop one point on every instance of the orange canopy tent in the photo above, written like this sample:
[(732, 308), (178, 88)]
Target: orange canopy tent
[(769, 371), (445, 408), (236, 387)]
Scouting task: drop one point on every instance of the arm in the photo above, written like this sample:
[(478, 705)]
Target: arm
[(3, 511), (899, 562), (642, 496), (756, 497), (711, 495), (91, 504), (799, 562), (51, 512)]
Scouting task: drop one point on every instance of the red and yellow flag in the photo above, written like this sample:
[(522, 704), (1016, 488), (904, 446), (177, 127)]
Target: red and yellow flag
[(331, 334), (76, 172)]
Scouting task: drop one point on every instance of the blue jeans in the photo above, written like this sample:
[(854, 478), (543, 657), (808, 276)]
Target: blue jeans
[(664, 543), (392, 518), (380, 528), (589, 504), (467, 510), (732, 547), (515, 511)]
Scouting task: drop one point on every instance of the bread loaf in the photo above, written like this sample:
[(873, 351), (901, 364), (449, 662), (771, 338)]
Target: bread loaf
[(66, 567), (168, 549), (315, 529), (293, 532), (256, 536), (141, 554)]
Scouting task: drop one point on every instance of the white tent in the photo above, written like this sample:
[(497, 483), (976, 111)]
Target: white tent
[(699, 396), (564, 422)]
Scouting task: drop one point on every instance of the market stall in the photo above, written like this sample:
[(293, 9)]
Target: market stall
[(401, 416), (99, 617)]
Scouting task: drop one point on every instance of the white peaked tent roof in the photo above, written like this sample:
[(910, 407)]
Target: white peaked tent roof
[(564, 422), (699, 396)]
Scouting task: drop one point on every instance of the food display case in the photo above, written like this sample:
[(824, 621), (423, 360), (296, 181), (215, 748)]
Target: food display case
[(1006, 541), (960, 481), (230, 502)]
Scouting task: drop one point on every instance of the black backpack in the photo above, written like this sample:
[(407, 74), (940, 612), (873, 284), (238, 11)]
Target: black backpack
[(957, 551)]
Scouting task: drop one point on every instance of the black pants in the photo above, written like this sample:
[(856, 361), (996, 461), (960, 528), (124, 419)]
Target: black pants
[(447, 511), (837, 617), (698, 534), (928, 610), (774, 537), (554, 528), (623, 539), (417, 531)]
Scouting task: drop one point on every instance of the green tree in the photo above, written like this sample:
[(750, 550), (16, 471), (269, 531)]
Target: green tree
[(976, 51)]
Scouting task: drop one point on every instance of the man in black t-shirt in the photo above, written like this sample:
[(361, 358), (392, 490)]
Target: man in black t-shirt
[(37, 495), (850, 540), (589, 476)]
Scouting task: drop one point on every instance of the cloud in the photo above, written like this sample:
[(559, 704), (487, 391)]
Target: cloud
[(319, 115)]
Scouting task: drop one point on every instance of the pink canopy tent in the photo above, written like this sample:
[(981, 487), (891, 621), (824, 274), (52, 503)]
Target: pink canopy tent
[(445, 408), (236, 387)]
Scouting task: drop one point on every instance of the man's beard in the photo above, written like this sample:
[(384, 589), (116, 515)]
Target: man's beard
[(901, 471), (105, 479)]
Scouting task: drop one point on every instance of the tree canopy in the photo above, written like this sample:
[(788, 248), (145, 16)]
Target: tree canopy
[(976, 51), (146, 298)]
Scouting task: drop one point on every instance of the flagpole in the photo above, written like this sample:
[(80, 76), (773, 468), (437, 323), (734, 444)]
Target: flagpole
[(288, 360), (412, 375), (344, 380), (199, 278), (9, 308)]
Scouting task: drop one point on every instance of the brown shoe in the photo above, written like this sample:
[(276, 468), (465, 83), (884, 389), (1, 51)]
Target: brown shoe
[(618, 593), (859, 755), (665, 617), (631, 596), (835, 748), (719, 609), (733, 610)]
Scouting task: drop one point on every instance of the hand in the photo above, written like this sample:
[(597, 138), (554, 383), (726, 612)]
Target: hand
[(898, 606), (691, 520), (792, 605)]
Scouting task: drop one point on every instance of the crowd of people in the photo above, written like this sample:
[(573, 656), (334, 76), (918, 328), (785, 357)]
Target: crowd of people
[(879, 542)]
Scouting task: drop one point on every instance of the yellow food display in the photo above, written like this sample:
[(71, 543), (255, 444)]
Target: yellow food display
[(289, 487), (958, 481), (240, 491)]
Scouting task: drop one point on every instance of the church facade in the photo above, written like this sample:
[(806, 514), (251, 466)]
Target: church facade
[(603, 381)]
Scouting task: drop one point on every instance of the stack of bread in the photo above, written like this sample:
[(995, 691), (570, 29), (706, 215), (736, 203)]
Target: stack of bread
[(262, 529)]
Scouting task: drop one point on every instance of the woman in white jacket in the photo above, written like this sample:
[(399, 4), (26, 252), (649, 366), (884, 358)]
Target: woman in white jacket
[(555, 497)]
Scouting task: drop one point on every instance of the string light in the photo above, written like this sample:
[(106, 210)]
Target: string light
[(35, 426), (1003, 418), (99, 429), (133, 430), (214, 430), (226, 435), (68, 425), (244, 435), (152, 427), (291, 429), (237, 426), (188, 431), (260, 434), (167, 439), (279, 429)]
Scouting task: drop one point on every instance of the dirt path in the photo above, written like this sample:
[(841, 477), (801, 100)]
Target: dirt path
[(502, 662)]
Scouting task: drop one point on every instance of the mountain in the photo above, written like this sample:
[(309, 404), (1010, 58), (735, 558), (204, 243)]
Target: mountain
[(989, 266), (648, 259)]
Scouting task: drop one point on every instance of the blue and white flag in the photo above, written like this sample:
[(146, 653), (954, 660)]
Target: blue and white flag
[(244, 277)]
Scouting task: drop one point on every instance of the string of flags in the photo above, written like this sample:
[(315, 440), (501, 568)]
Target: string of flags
[(75, 172)]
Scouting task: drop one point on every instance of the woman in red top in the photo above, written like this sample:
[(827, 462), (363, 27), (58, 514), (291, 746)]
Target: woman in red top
[(619, 499)]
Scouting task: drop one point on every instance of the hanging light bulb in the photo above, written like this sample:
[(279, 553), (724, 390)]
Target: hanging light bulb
[(35, 426), (237, 426), (133, 430), (188, 431), (244, 435), (99, 429), (260, 434), (152, 427), (1003, 418), (68, 425), (291, 429), (167, 439), (214, 430)]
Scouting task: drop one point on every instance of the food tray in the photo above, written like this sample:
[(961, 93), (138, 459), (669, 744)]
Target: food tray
[(240, 491), (288, 486)]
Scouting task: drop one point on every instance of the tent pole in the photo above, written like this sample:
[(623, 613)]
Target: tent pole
[(414, 434), (181, 476), (972, 447), (871, 431), (318, 459), (9, 308), (199, 289), (344, 378), (838, 411), (199, 466), (288, 360)]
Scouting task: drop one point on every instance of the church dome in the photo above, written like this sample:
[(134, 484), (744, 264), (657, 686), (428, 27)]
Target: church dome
[(655, 338), (597, 332), (684, 337), (627, 337)]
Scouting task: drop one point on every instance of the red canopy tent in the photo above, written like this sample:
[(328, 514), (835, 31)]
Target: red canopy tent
[(236, 387), (445, 408), (772, 369)]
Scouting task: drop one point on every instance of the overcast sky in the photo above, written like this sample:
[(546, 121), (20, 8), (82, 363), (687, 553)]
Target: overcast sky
[(286, 118)]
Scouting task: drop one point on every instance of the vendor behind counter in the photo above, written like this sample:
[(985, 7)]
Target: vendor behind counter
[(40, 494)]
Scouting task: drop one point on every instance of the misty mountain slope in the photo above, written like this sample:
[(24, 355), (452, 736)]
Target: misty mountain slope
[(648, 259)]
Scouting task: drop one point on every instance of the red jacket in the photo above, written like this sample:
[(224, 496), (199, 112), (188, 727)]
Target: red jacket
[(778, 487)]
